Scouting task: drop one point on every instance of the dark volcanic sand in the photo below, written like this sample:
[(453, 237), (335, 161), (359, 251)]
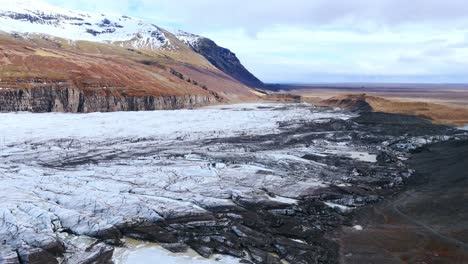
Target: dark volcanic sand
[(425, 223)]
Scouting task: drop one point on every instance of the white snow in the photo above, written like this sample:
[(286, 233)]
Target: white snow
[(80, 25), (354, 154), (358, 228), (188, 38), (284, 200), (363, 156), (300, 241), (338, 206), (465, 128), (148, 253)]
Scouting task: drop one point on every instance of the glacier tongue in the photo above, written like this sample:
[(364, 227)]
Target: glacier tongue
[(213, 179), (95, 175)]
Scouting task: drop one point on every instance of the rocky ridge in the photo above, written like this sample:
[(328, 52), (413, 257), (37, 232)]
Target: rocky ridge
[(49, 32), (69, 100), (221, 58)]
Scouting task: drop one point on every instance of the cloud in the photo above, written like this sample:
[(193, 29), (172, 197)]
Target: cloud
[(363, 15), (301, 40), (260, 14)]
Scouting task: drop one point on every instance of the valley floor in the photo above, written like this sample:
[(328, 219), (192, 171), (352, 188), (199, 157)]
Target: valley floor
[(426, 222), (452, 95), (263, 183)]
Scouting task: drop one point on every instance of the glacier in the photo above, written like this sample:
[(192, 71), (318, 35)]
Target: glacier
[(217, 180)]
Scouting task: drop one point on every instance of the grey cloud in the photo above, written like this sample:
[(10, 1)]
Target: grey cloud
[(254, 15), (409, 59), (258, 14), (435, 24), (439, 52)]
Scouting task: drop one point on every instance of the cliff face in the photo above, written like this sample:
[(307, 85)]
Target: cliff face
[(226, 61), (356, 102), (104, 63), (71, 100)]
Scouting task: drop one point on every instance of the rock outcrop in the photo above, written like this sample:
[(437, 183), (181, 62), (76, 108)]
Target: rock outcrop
[(355, 102), (226, 61), (140, 60), (72, 100)]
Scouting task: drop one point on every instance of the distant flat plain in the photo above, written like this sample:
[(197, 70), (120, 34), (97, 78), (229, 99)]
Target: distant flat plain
[(447, 94)]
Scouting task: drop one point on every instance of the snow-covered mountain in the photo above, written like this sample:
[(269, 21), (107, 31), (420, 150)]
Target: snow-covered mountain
[(77, 61), (32, 17), (35, 16), (188, 38)]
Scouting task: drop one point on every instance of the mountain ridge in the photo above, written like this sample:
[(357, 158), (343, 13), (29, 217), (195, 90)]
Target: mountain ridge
[(220, 57), (96, 52)]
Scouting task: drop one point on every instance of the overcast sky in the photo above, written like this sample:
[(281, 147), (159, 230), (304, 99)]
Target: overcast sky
[(309, 41)]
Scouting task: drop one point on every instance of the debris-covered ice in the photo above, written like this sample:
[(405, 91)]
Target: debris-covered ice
[(143, 253), (217, 180)]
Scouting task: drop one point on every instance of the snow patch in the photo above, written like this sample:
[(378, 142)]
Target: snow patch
[(352, 153), (340, 207), (284, 200), (23, 16), (148, 253), (188, 38), (358, 228)]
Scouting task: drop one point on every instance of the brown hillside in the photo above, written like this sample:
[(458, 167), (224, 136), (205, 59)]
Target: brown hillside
[(39, 61), (438, 113)]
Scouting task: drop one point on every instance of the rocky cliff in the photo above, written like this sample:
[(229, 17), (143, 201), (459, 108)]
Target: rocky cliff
[(226, 61), (71, 100)]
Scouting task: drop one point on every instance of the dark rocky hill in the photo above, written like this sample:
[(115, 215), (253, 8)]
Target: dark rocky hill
[(226, 61)]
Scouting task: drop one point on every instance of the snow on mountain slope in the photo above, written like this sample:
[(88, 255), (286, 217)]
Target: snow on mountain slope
[(50, 47), (30, 16), (188, 38)]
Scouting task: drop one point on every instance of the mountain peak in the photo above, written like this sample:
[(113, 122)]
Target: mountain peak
[(30, 18), (26, 16)]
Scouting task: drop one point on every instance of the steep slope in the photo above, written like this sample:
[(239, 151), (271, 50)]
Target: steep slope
[(107, 62), (220, 57)]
